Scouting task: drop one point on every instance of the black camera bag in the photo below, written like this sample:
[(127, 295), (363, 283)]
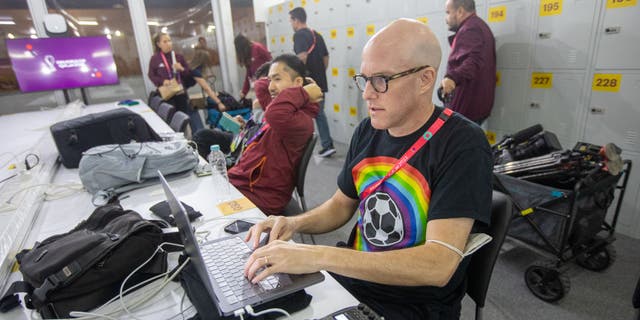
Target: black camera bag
[(117, 126), (84, 268)]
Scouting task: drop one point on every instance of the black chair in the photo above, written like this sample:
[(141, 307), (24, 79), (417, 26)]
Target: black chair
[(179, 122), (297, 207), (166, 111), (482, 261)]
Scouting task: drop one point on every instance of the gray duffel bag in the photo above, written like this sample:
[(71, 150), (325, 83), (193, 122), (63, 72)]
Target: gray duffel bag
[(115, 168)]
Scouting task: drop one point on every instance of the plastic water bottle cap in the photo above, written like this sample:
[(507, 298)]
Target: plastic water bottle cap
[(214, 147)]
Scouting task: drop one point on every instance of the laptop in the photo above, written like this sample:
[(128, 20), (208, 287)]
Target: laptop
[(220, 265)]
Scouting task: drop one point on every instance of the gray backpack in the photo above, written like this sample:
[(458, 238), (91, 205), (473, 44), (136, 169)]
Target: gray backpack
[(112, 169)]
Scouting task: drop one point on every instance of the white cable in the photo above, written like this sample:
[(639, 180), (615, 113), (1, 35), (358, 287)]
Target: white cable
[(255, 314), (143, 299), (124, 305), (89, 314)]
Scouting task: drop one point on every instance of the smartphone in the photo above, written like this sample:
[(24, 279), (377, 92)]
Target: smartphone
[(238, 226)]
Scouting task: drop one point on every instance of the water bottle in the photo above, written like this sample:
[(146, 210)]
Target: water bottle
[(218, 162)]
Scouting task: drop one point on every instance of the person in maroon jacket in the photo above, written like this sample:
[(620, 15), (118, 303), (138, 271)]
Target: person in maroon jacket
[(266, 171), (251, 55), (471, 68)]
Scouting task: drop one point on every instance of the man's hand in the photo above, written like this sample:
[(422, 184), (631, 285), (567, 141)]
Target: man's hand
[(178, 67), (242, 95), (222, 107), (279, 228), (315, 93), (448, 86), (166, 82), (281, 257), (240, 119)]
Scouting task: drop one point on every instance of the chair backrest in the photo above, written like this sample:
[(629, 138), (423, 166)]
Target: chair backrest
[(302, 170), (166, 111), (482, 261), (154, 102), (179, 121)]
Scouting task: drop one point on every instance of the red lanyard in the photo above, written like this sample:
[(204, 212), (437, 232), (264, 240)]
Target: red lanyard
[(258, 134), (313, 45), (444, 116), (166, 64)]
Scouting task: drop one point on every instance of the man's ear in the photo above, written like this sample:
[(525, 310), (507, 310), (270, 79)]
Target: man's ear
[(298, 81), (427, 79)]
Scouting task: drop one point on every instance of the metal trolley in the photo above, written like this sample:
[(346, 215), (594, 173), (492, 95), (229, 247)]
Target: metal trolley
[(568, 223)]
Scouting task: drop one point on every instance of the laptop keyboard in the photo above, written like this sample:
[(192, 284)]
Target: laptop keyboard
[(225, 262)]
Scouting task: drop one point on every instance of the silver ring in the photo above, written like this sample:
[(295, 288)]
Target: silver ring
[(266, 260)]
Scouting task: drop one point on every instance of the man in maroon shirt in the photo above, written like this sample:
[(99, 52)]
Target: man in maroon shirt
[(471, 68), (266, 171)]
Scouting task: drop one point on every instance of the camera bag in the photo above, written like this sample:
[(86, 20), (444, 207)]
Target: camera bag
[(84, 268)]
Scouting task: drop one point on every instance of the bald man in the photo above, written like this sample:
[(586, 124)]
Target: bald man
[(405, 258)]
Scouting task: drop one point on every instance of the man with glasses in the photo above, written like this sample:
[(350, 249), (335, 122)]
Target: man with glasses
[(471, 67), (418, 177)]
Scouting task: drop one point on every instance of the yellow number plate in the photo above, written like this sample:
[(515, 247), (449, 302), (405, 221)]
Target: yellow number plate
[(336, 108), (371, 29), (279, 8), (303, 3), (353, 111), (498, 14), (550, 7), (350, 32), (352, 72), (613, 4), (424, 20), (606, 82), (291, 5), (491, 136), (282, 39), (334, 72), (498, 78), (273, 40), (333, 33), (541, 80)]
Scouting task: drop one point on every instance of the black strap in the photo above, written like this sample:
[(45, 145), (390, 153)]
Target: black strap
[(10, 299)]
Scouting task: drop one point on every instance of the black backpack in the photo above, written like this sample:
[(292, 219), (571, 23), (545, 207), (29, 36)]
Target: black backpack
[(84, 268)]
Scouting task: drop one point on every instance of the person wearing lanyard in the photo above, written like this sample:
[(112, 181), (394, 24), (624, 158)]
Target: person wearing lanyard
[(164, 65), (418, 176), (266, 170)]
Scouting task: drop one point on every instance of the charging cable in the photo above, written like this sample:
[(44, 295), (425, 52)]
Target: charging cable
[(250, 311)]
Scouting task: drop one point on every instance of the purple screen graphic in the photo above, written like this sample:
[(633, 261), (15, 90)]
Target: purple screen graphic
[(62, 63)]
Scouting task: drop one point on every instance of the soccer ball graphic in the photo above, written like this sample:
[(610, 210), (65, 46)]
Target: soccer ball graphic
[(382, 221)]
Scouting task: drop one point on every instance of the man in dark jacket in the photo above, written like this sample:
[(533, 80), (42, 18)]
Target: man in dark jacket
[(471, 68), (266, 171)]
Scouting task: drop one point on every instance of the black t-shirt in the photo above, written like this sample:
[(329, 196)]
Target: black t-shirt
[(302, 42), (449, 177)]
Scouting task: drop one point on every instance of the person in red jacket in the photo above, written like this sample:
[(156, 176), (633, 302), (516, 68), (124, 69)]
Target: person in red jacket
[(266, 171), (251, 55), (471, 68)]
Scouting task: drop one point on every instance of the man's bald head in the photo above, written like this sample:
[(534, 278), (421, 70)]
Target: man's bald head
[(409, 42)]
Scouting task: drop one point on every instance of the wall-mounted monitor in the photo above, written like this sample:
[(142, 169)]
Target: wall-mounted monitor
[(62, 63)]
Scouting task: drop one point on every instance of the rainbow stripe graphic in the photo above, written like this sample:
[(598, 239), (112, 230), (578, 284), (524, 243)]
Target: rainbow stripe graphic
[(409, 190)]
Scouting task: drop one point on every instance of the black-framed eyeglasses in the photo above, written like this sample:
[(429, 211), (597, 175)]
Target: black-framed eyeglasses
[(381, 83)]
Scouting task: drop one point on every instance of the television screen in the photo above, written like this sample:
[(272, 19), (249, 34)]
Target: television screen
[(62, 63)]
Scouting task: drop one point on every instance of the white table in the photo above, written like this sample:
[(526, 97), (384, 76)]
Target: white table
[(61, 215)]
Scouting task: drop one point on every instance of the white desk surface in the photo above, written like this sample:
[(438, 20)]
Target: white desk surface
[(61, 215)]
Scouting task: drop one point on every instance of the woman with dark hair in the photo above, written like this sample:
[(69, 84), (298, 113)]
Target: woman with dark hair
[(164, 66), (251, 55)]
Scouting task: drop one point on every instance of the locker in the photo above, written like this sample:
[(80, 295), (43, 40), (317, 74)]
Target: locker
[(511, 23), (509, 106), (335, 39), (556, 107), (358, 11), (352, 49), (429, 6), (618, 38), (401, 9), (317, 13), (564, 33), (612, 116)]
